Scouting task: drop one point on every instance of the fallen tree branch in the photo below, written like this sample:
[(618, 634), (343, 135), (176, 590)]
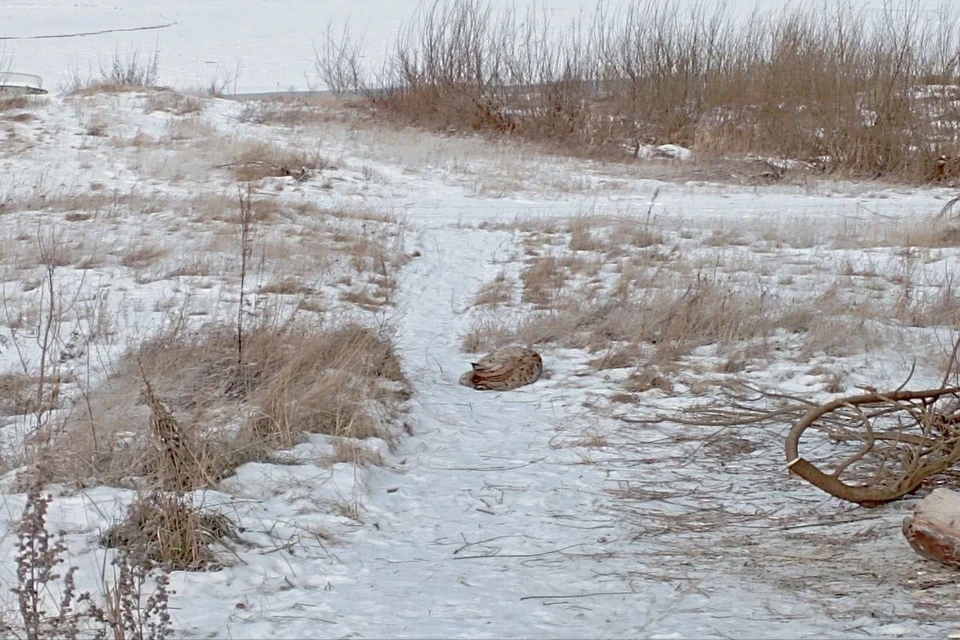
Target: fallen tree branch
[(936, 450)]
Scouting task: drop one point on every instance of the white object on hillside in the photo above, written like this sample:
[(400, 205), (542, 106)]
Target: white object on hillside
[(20, 83), (672, 152)]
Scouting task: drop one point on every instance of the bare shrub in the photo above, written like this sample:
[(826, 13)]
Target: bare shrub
[(835, 87), (39, 555), (129, 72), (132, 70), (337, 62), (127, 610)]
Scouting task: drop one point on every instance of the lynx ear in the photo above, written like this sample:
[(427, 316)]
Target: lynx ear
[(475, 365)]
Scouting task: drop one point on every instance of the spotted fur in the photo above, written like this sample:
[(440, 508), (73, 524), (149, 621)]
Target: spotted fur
[(504, 370)]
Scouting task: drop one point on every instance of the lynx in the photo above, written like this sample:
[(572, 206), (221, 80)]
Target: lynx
[(504, 370)]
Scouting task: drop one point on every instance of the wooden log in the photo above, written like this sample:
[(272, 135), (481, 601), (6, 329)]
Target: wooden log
[(934, 528)]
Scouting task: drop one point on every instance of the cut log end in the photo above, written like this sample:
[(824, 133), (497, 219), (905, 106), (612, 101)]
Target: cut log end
[(934, 528)]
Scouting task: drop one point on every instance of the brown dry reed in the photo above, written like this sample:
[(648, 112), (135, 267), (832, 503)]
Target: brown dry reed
[(190, 388), (863, 91)]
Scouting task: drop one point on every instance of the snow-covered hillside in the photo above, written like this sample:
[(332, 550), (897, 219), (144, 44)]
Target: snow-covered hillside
[(297, 286), (573, 507)]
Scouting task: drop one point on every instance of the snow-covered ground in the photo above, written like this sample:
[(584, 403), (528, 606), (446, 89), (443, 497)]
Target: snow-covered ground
[(264, 45), (552, 511), (568, 508)]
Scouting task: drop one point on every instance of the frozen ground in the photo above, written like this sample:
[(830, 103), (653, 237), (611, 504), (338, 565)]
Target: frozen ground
[(550, 511), (271, 42)]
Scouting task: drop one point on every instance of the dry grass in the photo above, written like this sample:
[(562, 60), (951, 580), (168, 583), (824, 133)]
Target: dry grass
[(167, 530), (291, 380), (365, 298), (291, 111), (495, 293), (93, 202), (543, 282), (591, 440), (288, 286), (142, 255), (674, 317), (259, 160), (618, 357), (643, 298), (13, 103), (351, 451), (839, 88), (178, 104), (19, 394), (15, 108)]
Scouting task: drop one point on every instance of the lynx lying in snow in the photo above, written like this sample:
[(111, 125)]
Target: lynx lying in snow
[(504, 370)]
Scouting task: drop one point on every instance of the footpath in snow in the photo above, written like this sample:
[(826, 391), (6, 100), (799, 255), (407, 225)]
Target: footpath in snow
[(487, 520)]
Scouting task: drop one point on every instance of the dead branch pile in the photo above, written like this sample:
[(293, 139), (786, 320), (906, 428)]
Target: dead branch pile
[(880, 446)]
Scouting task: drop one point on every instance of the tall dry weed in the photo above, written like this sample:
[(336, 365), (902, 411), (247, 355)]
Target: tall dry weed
[(855, 90)]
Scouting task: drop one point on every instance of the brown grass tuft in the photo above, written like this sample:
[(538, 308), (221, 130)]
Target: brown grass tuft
[(288, 111), (168, 530), (348, 450), (260, 160), (179, 104), (329, 383), (495, 293)]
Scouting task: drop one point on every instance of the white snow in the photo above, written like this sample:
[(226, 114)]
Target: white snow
[(493, 519)]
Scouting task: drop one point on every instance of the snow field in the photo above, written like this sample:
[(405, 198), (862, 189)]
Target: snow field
[(575, 507)]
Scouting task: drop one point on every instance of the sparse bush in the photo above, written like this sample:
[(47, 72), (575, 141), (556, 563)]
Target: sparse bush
[(122, 73), (338, 64), (868, 93), (131, 71), (38, 557), (127, 612)]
